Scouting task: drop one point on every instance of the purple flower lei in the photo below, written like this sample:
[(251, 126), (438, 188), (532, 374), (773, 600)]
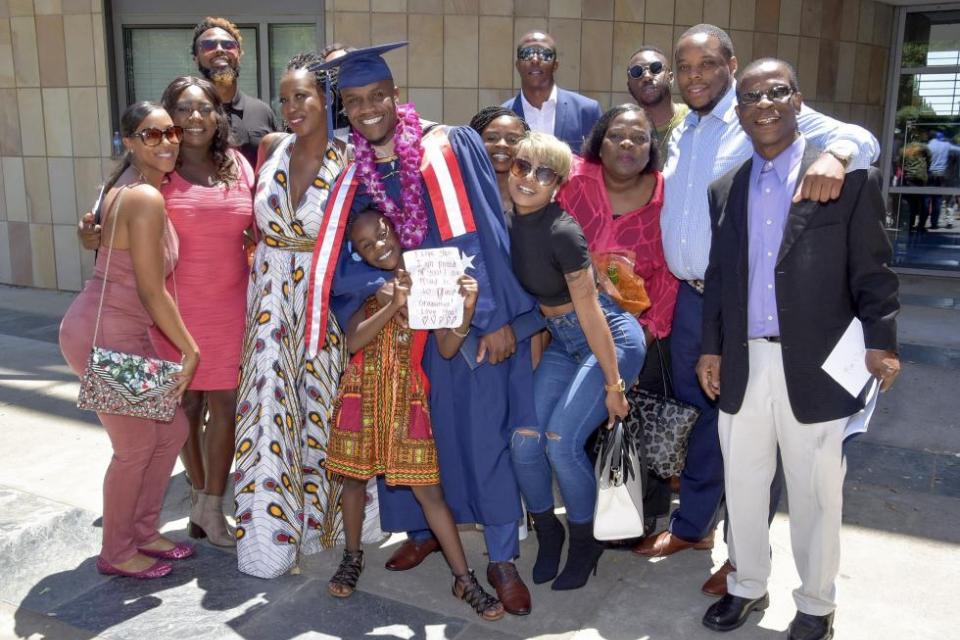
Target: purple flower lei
[(410, 217)]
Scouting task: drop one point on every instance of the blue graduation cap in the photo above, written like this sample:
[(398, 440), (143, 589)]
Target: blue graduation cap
[(361, 66)]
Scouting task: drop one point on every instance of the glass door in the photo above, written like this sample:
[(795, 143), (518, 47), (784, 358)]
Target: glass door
[(923, 143)]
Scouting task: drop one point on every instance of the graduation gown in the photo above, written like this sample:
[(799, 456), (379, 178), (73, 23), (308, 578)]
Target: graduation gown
[(474, 409)]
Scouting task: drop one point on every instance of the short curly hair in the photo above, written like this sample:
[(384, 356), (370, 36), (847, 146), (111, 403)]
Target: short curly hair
[(215, 22), (591, 146)]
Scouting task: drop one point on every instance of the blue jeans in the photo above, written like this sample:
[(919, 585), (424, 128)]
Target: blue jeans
[(570, 402)]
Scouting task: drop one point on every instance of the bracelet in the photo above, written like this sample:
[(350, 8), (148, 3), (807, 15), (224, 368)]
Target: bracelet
[(616, 386), (461, 335)]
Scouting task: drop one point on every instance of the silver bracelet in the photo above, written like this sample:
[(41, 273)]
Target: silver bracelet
[(461, 335)]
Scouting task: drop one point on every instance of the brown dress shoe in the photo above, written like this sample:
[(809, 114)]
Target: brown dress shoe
[(411, 553), (716, 584), (514, 595), (666, 544)]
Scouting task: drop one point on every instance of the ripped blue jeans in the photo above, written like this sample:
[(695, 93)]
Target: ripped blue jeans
[(570, 401)]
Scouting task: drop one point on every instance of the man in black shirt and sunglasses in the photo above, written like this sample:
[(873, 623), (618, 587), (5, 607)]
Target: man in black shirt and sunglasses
[(545, 106), (217, 50), (648, 79)]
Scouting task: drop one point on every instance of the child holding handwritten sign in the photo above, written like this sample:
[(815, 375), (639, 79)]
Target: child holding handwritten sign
[(381, 423)]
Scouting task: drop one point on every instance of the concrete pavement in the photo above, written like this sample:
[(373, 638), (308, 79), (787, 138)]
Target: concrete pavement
[(899, 569)]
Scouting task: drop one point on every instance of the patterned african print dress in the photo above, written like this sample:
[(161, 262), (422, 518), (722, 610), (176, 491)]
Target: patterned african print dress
[(381, 419), (287, 504)]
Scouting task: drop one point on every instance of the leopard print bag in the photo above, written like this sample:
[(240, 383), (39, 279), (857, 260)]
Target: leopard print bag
[(663, 422)]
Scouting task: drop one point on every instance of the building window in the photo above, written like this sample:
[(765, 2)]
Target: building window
[(286, 41), (154, 56), (923, 172)]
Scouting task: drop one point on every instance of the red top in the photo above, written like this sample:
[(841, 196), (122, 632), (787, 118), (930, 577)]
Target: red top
[(584, 196)]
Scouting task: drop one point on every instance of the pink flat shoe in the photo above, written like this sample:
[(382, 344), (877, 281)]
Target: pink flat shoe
[(180, 551), (157, 570)]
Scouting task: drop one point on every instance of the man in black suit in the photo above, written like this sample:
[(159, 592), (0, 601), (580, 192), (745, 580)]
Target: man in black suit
[(785, 280)]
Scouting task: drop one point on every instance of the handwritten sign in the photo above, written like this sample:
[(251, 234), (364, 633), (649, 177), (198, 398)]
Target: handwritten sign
[(435, 301)]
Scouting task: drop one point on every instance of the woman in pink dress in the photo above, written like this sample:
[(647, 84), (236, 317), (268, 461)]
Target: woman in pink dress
[(142, 251), (616, 192), (209, 199)]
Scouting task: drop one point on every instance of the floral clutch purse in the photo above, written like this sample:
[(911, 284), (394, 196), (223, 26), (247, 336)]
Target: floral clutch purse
[(128, 384)]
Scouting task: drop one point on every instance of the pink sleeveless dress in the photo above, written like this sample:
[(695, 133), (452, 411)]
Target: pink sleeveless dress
[(212, 273)]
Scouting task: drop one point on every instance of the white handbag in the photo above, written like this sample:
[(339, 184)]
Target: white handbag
[(619, 511)]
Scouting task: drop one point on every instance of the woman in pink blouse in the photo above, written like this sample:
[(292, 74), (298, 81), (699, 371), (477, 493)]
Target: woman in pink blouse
[(615, 192)]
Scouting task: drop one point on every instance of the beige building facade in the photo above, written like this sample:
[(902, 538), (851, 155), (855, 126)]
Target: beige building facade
[(60, 80)]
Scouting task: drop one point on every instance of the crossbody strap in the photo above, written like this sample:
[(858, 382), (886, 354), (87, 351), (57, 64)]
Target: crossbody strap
[(115, 209), (665, 372)]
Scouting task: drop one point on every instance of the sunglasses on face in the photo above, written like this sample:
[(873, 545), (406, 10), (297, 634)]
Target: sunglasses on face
[(151, 136), (527, 53), (523, 168), (779, 93), (211, 45), (637, 70)]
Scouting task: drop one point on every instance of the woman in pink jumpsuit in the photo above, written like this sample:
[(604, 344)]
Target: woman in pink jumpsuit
[(142, 251)]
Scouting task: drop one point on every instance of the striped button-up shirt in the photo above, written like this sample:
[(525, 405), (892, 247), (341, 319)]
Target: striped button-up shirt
[(703, 149)]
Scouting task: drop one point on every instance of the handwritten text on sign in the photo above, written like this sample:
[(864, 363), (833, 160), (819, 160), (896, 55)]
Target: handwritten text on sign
[(435, 301)]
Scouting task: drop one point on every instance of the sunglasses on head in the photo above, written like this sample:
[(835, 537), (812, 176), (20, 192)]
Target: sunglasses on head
[(527, 53), (522, 168), (637, 70), (779, 93), (211, 45), (151, 136)]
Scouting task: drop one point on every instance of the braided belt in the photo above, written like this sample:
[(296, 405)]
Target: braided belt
[(286, 243)]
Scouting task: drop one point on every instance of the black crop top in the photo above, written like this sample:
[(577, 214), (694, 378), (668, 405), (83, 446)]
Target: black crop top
[(544, 246)]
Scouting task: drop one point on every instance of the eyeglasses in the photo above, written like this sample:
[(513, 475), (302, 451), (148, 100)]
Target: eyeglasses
[(523, 168), (151, 136), (637, 70), (527, 53), (779, 93), (211, 45)]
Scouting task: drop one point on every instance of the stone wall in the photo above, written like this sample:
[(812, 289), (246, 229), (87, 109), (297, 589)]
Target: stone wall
[(54, 110)]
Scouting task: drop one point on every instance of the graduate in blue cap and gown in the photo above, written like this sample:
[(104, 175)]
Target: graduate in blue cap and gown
[(437, 186)]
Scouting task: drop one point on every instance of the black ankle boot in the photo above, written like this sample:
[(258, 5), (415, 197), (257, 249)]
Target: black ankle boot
[(582, 556), (550, 536)]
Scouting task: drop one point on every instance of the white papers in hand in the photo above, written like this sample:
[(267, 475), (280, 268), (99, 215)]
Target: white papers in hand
[(858, 422), (847, 362), (435, 301)]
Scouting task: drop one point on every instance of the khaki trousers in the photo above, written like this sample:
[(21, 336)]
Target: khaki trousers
[(813, 468)]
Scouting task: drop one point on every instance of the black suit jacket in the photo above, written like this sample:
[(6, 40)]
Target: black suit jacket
[(832, 267)]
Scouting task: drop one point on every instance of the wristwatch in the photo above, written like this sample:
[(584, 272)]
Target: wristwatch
[(616, 386), (843, 159)]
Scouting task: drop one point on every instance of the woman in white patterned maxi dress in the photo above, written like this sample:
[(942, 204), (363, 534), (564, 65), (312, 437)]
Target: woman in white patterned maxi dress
[(287, 505)]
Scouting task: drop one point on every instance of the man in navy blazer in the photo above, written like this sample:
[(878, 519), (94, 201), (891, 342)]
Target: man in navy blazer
[(545, 106)]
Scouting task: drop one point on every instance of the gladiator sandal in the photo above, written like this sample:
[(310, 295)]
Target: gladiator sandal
[(344, 581), (467, 588)]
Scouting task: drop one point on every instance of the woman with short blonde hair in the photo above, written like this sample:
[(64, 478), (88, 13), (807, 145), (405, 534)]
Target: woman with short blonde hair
[(596, 350)]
